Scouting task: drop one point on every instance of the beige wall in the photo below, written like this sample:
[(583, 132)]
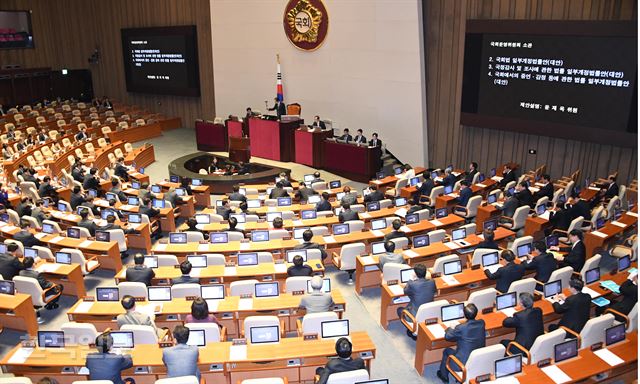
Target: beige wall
[(366, 75)]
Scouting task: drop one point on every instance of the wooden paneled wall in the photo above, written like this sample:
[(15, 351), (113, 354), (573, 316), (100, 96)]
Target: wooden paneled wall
[(66, 32), (450, 142)]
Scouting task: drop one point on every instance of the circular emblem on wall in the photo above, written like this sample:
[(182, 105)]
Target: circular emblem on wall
[(306, 23)]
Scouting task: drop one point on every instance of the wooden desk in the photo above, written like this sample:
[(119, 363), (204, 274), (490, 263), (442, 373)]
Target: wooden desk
[(142, 157), (166, 217), (139, 133), (486, 213), (594, 241), (202, 193), (358, 163), (16, 312), (67, 275), (535, 226)]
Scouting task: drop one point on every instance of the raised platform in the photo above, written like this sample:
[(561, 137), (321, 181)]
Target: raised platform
[(188, 166)]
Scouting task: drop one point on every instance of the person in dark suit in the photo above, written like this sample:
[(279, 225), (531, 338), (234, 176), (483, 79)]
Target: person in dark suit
[(489, 240), (303, 192), (343, 363), (506, 274), (523, 194), (396, 232), (317, 123), (419, 290), (449, 179), (542, 262), (224, 210), (104, 365), (233, 222), (577, 252), (465, 193), (545, 190), (42, 136), (111, 224), (139, 273), (612, 188), (77, 172), (120, 170), (242, 168), (578, 207), (47, 190), (236, 195), (324, 204), (284, 179), (629, 292), (307, 235), (359, 138), (87, 223), (76, 197), (278, 191), (346, 137), (347, 214), (473, 169), (147, 209), (185, 270), (349, 197), (316, 178), (10, 265), (24, 207), (25, 236), (375, 142), (82, 135), (91, 181), (299, 268), (575, 309), (469, 335), (508, 175), (528, 323), (374, 195), (425, 187), (279, 107), (53, 289), (192, 226)]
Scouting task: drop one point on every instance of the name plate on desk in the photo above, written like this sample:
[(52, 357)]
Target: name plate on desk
[(311, 336), (238, 351), (297, 293)]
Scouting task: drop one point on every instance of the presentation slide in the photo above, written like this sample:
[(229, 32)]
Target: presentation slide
[(550, 81), (161, 60)]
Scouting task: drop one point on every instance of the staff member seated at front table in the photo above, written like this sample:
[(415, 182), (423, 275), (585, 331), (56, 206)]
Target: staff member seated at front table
[(375, 142), (140, 273), (317, 123), (346, 137), (359, 138), (104, 365)]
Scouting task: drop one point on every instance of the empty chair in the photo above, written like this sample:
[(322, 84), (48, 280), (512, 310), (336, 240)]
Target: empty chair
[(524, 285), (437, 236), (242, 287), (438, 265), (234, 236), (142, 334), (277, 234), (79, 333), (140, 122), (358, 208), (542, 348), (118, 236), (44, 253), (194, 237), (105, 130), (167, 260), (184, 290), (319, 186), (84, 232), (483, 298), (346, 261), (425, 311), (391, 271), (320, 230), (562, 274), (431, 199), (314, 254), (39, 297), (132, 289), (593, 331), (611, 206), (265, 257), (470, 210), (480, 362), (385, 203), (469, 228), (128, 148), (14, 218), (90, 148), (54, 225), (123, 125), (77, 257), (296, 283), (518, 242), (349, 377), (213, 333), (215, 259), (6, 379), (118, 152), (312, 322), (590, 263), (476, 259), (401, 242), (355, 225), (516, 222), (259, 321)]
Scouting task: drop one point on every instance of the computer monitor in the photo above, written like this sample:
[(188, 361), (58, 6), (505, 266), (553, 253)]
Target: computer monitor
[(203, 218), (326, 285), (105, 213), (441, 212), (299, 232), (197, 261), (122, 339), (79, 210), (452, 267), (63, 258), (592, 275), (270, 289), (141, 170), (107, 294), (134, 218), (378, 224), (259, 236), (615, 334), (624, 263), (51, 339), (511, 191), (240, 217), (31, 252), (196, 182), (340, 229), (412, 218), (284, 201), (219, 203), (380, 175), (212, 291), (508, 366), (314, 199), (335, 184), (489, 259), (218, 237), (458, 234), (541, 209), (448, 189), (243, 191), (434, 174), (552, 240), (452, 312), (565, 350), (420, 241), (378, 248), (264, 334), (158, 204), (196, 338), (373, 206), (340, 195), (174, 178), (291, 253), (73, 233), (308, 214), (492, 198), (272, 215), (481, 178), (62, 207), (111, 196), (400, 201), (93, 193), (492, 172), (562, 199), (524, 250), (7, 287), (159, 293), (177, 238), (4, 217), (407, 275), (309, 178), (397, 170), (600, 222), (135, 184), (245, 259), (181, 192), (552, 288), (334, 328), (103, 236), (508, 300), (253, 203), (133, 201), (413, 181), (151, 261)]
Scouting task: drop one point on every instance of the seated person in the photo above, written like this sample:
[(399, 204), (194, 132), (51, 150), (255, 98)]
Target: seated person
[(542, 262), (307, 235), (346, 137), (359, 138), (374, 195), (147, 209), (527, 322), (316, 178), (419, 290), (347, 214), (629, 292), (349, 197), (224, 210), (464, 194), (181, 359), (508, 273), (185, 269), (111, 224), (284, 179), (45, 284), (396, 233), (324, 204), (488, 242), (236, 195), (25, 236), (575, 310), (10, 264), (233, 222), (390, 256), (139, 272), (192, 226), (303, 192), (104, 365), (317, 301), (87, 223), (343, 363), (131, 316), (299, 268), (576, 256), (375, 142), (278, 191), (200, 313)]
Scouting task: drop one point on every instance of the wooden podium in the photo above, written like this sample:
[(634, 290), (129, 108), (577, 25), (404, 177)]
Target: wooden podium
[(310, 146), (239, 149), (273, 139)]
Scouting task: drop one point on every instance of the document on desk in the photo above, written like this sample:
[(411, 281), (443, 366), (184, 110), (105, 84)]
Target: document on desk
[(160, 247), (245, 304), (452, 245), (594, 188), (280, 268), (396, 289), (367, 260), (230, 271), (619, 224), (496, 178), (213, 304), (203, 247), (450, 280), (377, 233), (48, 267), (411, 253), (405, 229), (85, 244), (480, 185), (556, 374), (402, 212), (590, 292), (70, 217), (632, 214), (436, 330), (245, 246), (609, 357), (9, 228), (272, 209), (545, 215), (298, 222), (329, 239), (508, 311), (20, 356), (599, 234), (436, 222), (56, 239), (126, 207), (377, 182), (365, 215), (504, 380), (84, 307)]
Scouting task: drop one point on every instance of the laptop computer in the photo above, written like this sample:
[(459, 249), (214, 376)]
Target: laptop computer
[(245, 259), (264, 334), (508, 366), (159, 293), (270, 289), (491, 261), (107, 294)]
